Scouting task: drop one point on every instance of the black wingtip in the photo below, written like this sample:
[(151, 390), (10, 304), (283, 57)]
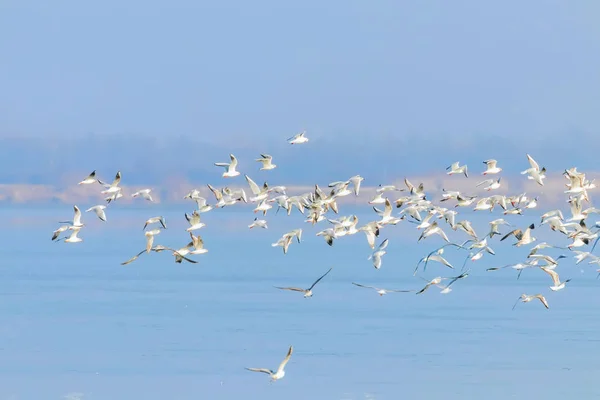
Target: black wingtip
[(532, 226)]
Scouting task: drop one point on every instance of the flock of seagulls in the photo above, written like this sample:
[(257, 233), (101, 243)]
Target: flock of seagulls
[(431, 221)]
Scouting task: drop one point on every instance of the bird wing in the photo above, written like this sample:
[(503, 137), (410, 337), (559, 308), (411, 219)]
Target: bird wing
[(100, 213), (317, 281), (132, 259), (295, 289), (286, 359), (383, 244), (542, 299), (253, 186), (77, 216), (553, 275), (234, 161), (264, 370), (517, 233), (533, 163), (365, 286)]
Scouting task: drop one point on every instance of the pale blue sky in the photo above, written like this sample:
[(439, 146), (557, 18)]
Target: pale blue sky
[(260, 71)]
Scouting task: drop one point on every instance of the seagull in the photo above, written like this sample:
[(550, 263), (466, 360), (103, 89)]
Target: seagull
[(557, 284), (202, 206), (261, 223), (527, 298), (60, 230), (150, 238), (447, 289), (280, 373), (380, 291), (522, 237), (230, 167), (491, 184), (91, 178), (76, 223), (197, 244), (73, 238), (494, 226), (194, 221), (154, 220), (298, 139), (267, 162), (307, 292), (112, 189), (356, 180), (157, 249), (283, 242), (434, 229), (144, 193), (492, 167), (99, 210), (376, 256), (456, 169), (535, 172)]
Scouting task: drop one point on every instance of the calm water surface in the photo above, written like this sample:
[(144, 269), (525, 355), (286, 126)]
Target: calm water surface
[(77, 324)]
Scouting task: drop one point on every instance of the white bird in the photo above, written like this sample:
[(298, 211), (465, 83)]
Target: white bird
[(434, 229), (283, 242), (267, 162), (494, 226), (197, 244), (230, 168), (91, 178), (154, 220), (260, 223), (60, 230), (557, 284), (202, 205), (356, 181), (298, 139), (456, 169), (73, 238), (263, 206), (307, 292), (522, 237), (527, 298), (535, 172), (113, 189), (76, 223), (99, 210), (159, 248), (381, 291), (150, 238), (376, 256), (280, 373), (492, 167), (144, 193), (194, 221), (491, 184)]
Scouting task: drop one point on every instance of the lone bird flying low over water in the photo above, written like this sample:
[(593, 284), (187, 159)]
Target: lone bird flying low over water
[(280, 373)]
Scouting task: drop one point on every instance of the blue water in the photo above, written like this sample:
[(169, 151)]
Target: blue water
[(76, 323)]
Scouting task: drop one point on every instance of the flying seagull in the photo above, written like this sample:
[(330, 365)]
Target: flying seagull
[(381, 291), (299, 138), (280, 373), (307, 292)]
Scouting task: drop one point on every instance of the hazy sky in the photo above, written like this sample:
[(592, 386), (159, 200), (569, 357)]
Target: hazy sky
[(216, 70)]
